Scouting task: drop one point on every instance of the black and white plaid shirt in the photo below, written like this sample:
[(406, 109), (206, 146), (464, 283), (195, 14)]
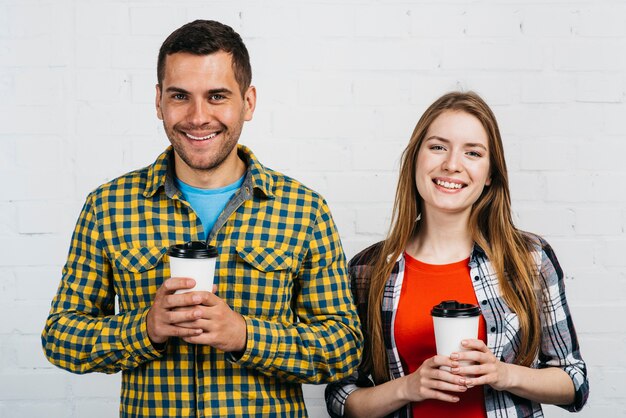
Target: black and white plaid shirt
[(559, 345)]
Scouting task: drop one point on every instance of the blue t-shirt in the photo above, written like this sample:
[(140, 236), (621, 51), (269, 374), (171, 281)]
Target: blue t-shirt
[(208, 203)]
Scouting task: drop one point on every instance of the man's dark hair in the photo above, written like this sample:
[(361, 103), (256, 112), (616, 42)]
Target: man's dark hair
[(204, 37)]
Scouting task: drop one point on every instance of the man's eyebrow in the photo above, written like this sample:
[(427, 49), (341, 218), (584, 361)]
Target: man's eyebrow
[(467, 144), (221, 90), (173, 89)]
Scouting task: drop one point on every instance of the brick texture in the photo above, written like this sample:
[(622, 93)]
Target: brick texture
[(340, 87)]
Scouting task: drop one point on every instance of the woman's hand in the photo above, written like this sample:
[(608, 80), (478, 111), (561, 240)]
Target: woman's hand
[(485, 368), (427, 382), (430, 382), (550, 385)]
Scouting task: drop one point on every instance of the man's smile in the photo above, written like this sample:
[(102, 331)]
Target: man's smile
[(201, 138)]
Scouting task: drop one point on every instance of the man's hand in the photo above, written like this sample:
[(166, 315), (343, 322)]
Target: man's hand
[(221, 327), (164, 319)]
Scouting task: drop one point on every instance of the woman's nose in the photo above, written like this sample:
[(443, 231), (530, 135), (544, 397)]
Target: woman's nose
[(451, 162)]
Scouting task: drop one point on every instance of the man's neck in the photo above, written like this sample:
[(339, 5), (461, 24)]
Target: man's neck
[(228, 172)]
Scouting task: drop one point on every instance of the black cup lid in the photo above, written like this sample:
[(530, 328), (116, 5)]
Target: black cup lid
[(454, 309), (192, 249)]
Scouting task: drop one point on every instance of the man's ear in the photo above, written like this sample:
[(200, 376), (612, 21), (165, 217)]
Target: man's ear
[(249, 99), (157, 102)]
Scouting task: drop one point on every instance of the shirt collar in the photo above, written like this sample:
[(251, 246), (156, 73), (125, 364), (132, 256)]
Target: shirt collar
[(161, 174), (476, 254), (157, 173), (260, 177)]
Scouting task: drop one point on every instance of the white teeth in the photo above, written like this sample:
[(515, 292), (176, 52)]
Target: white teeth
[(201, 138), (449, 185)]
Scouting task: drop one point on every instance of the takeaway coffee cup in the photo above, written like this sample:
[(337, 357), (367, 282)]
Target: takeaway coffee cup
[(454, 322), (195, 260)]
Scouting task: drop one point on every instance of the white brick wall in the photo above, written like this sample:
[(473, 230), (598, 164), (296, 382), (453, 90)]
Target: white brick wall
[(341, 85)]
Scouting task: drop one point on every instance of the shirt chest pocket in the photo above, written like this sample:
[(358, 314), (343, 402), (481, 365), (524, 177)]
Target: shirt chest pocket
[(264, 284), (138, 273)]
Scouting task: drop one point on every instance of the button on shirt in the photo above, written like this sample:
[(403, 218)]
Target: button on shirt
[(280, 265)]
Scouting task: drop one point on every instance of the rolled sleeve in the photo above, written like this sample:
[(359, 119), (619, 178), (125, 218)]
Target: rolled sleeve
[(559, 347)]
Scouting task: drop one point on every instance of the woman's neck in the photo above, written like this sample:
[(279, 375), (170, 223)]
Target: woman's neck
[(441, 240)]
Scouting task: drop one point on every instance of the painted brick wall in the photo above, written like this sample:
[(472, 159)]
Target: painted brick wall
[(341, 85)]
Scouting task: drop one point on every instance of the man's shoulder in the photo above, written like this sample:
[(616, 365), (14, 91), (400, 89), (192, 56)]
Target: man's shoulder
[(284, 186), (137, 182), (280, 186), (133, 182)]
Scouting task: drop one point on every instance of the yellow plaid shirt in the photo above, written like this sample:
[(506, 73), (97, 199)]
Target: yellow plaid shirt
[(280, 265)]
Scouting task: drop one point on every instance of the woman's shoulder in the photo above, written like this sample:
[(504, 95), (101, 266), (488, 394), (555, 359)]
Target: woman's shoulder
[(360, 270), (366, 257), (536, 242), (542, 251)]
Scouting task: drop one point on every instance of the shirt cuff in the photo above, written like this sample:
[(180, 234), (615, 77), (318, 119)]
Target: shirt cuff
[(262, 345), (581, 389), (135, 336), (337, 402)]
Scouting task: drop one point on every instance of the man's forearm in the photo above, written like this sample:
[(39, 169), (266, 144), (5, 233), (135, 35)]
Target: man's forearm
[(82, 344), (302, 353)]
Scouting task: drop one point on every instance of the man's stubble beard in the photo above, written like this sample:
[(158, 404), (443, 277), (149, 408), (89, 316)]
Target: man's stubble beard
[(229, 141)]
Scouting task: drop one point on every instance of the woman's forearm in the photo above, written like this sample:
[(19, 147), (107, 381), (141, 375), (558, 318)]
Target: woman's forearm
[(549, 386), (427, 382), (376, 401)]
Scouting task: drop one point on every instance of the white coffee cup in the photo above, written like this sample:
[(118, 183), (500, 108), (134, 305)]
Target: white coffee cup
[(194, 260), (454, 322)]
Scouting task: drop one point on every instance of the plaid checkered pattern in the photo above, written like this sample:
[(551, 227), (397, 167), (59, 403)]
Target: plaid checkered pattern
[(559, 345), (280, 264)]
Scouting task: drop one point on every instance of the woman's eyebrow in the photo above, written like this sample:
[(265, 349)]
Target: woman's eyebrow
[(447, 141)]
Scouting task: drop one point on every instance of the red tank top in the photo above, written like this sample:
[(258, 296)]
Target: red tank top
[(424, 286)]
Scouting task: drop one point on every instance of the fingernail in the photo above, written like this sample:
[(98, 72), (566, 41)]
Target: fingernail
[(464, 342), (455, 399), (196, 298), (454, 356)]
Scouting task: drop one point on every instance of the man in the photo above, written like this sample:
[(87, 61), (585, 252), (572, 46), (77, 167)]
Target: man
[(281, 314)]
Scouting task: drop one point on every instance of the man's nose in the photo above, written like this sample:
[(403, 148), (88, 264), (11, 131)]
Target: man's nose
[(199, 113)]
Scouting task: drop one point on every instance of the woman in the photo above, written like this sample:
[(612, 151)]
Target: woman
[(452, 237)]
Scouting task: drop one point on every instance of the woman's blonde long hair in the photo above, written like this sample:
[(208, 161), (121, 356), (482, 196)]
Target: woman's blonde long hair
[(491, 226)]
